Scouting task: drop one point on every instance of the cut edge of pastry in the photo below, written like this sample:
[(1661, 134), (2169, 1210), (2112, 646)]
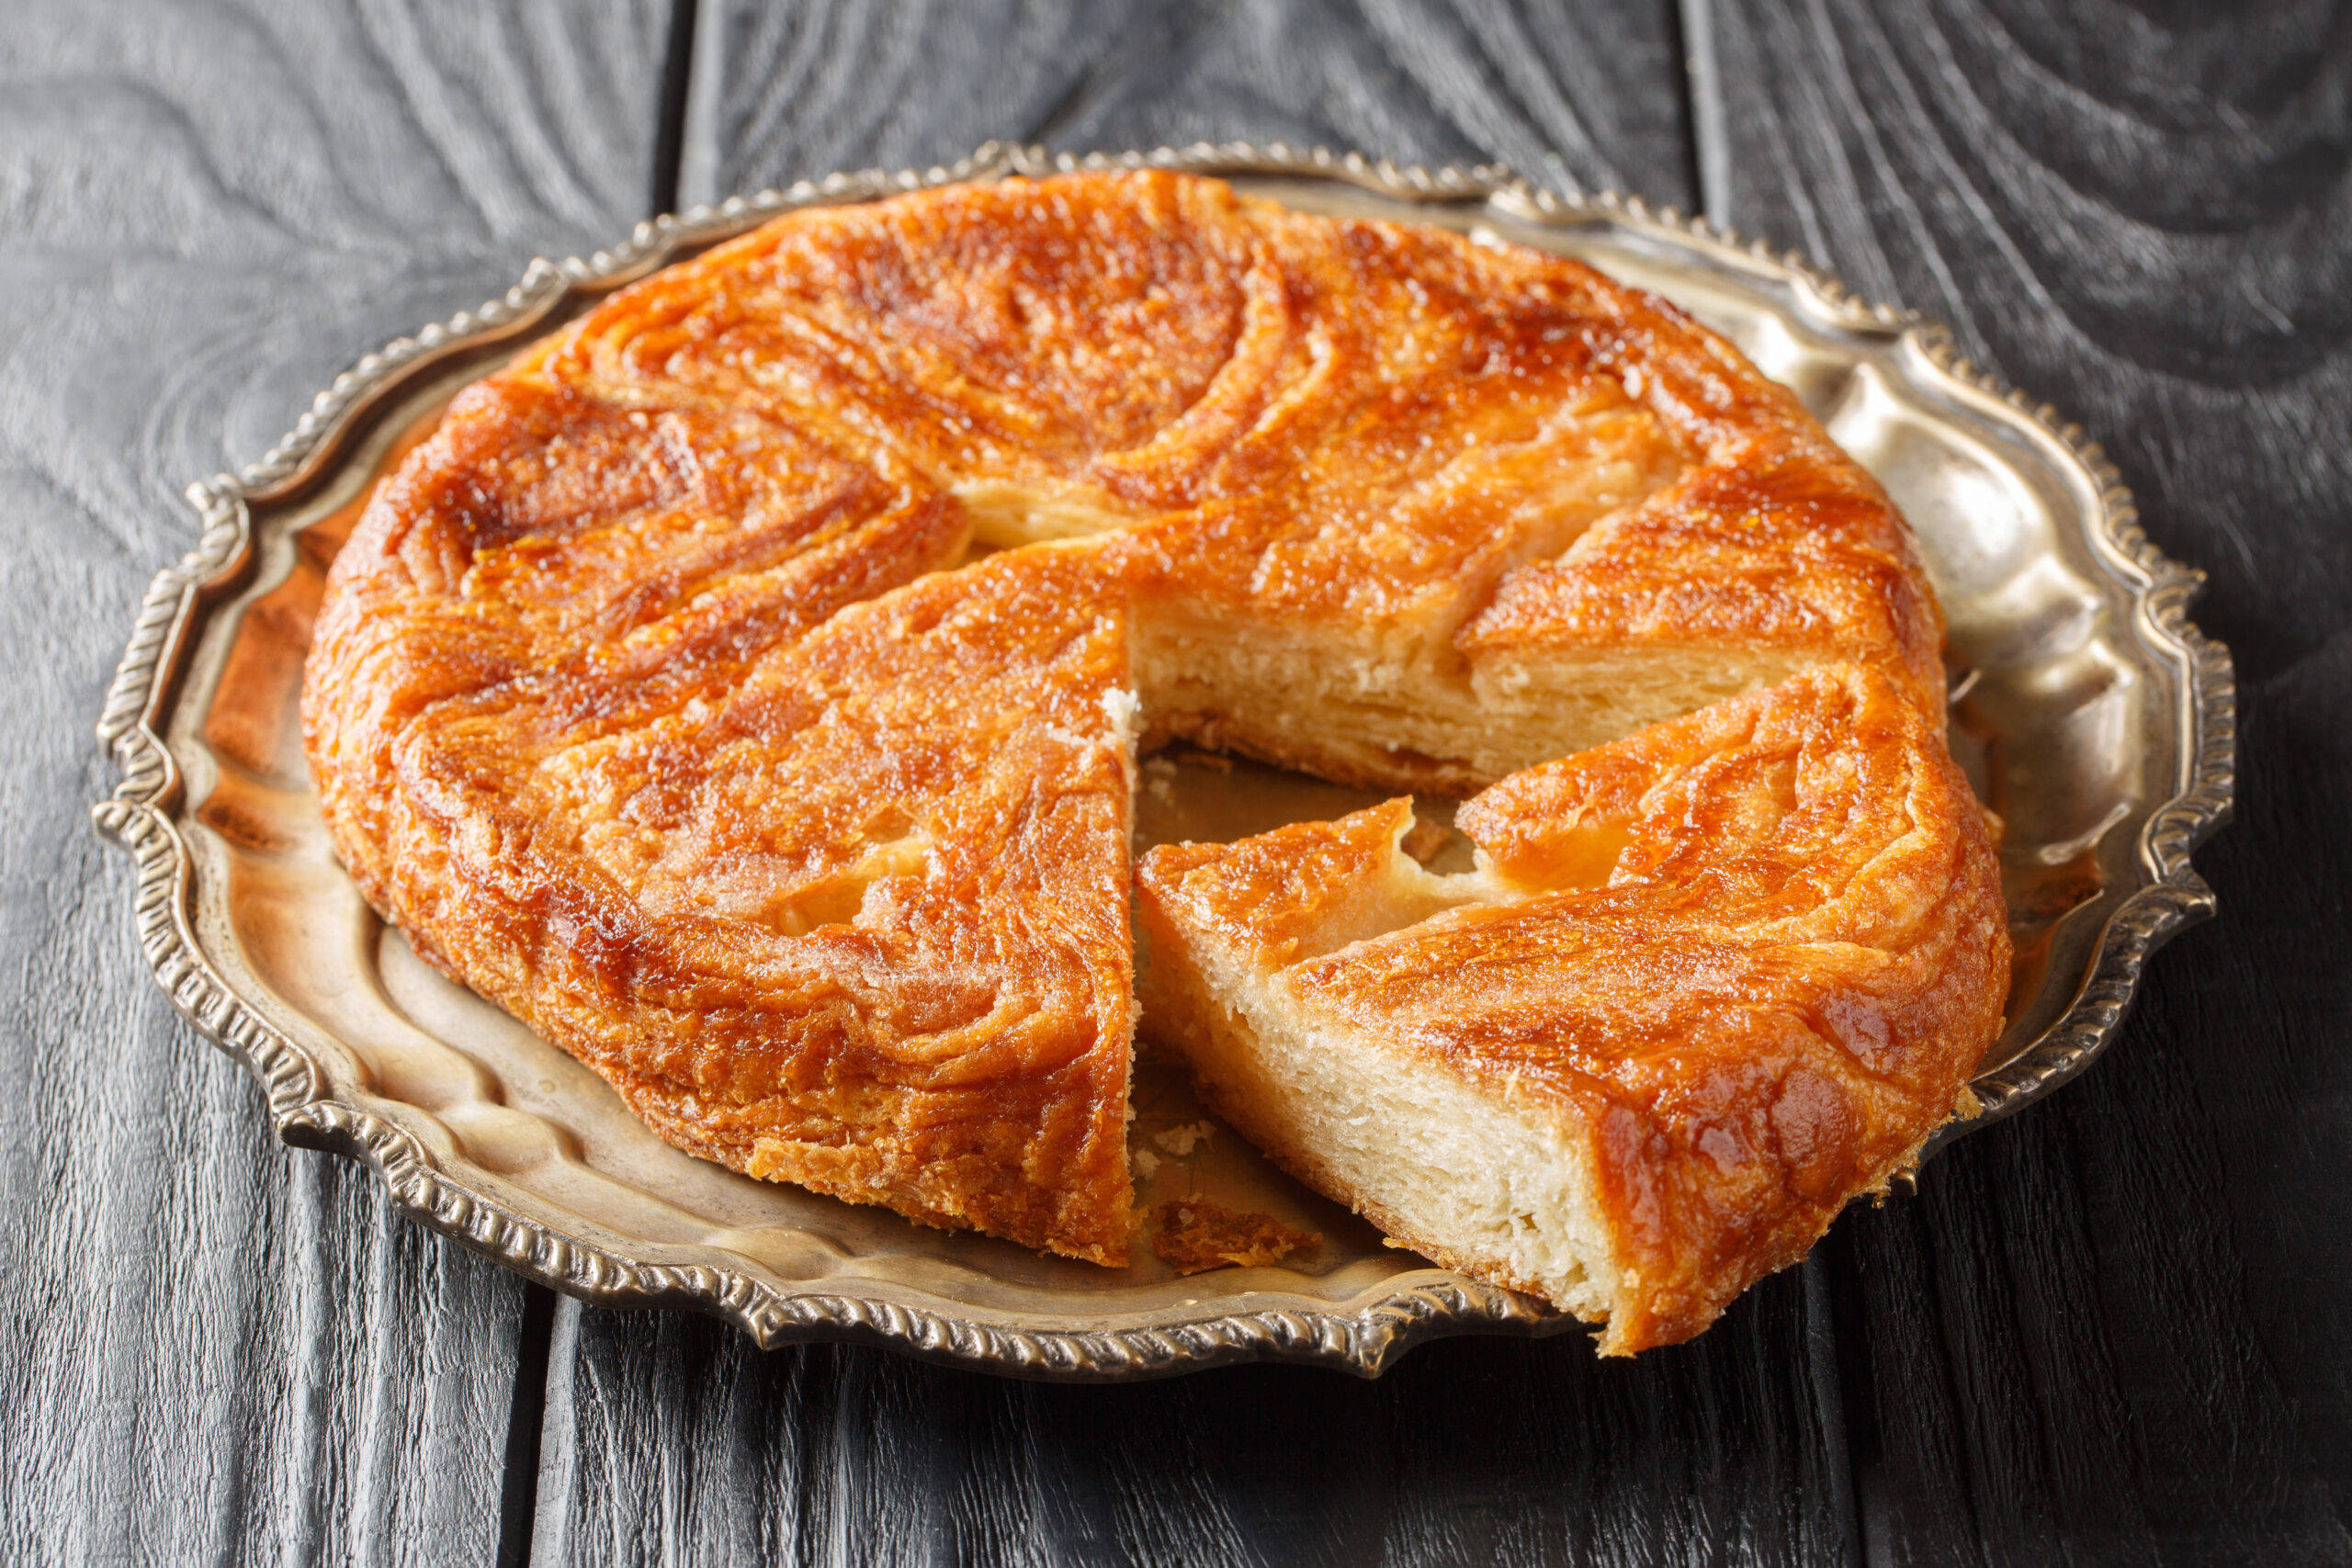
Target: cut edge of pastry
[(1359, 711), (1497, 1191)]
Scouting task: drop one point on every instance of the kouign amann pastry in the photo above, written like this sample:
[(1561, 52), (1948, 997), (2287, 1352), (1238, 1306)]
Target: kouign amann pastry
[(743, 687)]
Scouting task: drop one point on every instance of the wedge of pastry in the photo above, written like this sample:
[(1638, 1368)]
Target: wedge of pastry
[(1707, 983)]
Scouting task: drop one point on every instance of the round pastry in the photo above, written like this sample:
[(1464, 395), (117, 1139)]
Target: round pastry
[(743, 686)]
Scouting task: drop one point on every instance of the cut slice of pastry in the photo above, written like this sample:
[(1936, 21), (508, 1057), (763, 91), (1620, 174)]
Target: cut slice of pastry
[(1706, 985)]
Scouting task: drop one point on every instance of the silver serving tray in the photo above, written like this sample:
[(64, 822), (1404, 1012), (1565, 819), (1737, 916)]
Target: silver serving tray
[(2089, 710)]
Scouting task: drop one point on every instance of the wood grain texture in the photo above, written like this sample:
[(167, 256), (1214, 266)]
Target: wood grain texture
[(672, 1440), (211, 1348), (1584, 93), (2114, 1327)]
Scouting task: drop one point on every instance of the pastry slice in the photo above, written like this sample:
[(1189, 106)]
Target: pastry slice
[(648, 724), (1523, 510), (1707, 984)]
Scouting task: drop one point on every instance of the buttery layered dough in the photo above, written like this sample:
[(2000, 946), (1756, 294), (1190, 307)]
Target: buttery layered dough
[(743, 687), (1708, 982)]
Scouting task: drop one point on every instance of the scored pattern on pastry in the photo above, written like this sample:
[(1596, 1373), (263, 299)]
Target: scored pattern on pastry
[(743, 687)]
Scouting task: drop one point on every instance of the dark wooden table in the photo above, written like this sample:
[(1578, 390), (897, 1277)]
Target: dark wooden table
[(2115, 1329)]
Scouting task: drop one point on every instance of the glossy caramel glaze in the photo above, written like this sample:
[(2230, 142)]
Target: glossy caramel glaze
[(1751, 955), (644, 699), (829, 882)]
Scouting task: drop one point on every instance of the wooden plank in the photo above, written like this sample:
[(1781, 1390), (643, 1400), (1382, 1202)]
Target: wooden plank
[(1584, 95), (211, 1347), (1483, 1451), (1469, 1451), (2116, 1325)]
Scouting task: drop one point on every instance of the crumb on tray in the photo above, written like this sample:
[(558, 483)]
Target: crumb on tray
[(1184, 1137), (1195, 1234)]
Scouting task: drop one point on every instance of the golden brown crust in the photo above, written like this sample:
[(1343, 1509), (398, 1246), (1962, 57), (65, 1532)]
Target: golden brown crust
[(1753, 954), (840, 903), (1771, 537), (641, 701)]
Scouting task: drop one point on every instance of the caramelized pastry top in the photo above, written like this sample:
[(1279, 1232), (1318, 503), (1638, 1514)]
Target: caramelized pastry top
[(623, 723), (1309, 418)]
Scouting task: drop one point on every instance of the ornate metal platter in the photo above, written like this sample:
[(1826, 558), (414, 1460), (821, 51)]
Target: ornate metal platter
[(2091, 715)]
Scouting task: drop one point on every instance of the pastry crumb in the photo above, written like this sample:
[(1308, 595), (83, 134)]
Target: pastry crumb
[(1147, 1165), (1194, 1234), (1183, 1138)]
